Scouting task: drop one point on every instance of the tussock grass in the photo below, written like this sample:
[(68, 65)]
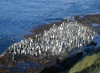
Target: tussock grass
[(89, 64)]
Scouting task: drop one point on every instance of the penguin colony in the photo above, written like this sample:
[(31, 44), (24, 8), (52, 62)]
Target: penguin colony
[(57, 40)]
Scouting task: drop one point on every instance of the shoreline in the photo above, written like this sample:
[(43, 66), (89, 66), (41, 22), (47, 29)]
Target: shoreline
[(87, 20), (47, 62), (40, 29)]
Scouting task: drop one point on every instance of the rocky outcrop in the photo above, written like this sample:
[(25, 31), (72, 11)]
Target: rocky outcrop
[(50, 50)]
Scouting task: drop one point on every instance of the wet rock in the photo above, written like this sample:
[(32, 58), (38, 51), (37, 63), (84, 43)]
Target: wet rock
[(88, 18), (22, 67), (7, 61), (3, 70), (27, 64)]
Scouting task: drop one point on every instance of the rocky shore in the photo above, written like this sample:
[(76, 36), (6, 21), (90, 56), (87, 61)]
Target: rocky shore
[(26, 63), (87, 20)]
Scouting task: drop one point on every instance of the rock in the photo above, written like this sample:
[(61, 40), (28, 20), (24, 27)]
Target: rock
[(4, 70)]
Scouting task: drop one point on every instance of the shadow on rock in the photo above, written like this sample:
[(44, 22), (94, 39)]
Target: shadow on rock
[(64, 65)]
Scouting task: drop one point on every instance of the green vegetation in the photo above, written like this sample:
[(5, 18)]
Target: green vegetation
[(89, 64)]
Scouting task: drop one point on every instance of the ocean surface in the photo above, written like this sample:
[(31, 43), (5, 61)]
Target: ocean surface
[(18, 17)]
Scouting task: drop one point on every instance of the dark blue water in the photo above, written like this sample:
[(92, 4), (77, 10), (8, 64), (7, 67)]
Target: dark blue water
[(18, 17)]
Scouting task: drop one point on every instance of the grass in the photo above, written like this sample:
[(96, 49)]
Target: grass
[(89, 64)]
